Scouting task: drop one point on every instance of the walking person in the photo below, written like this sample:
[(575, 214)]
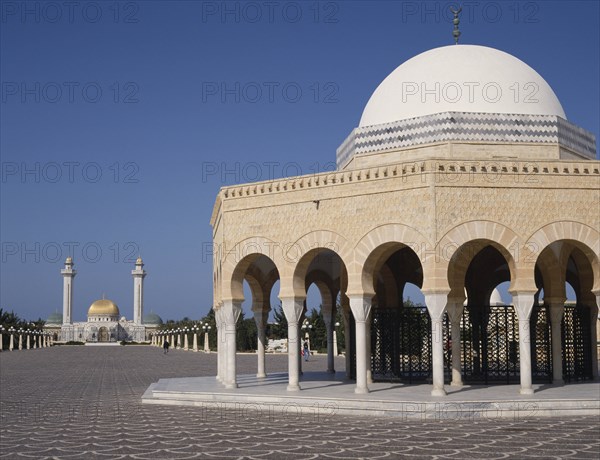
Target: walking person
[(306, 351), (166, 347)]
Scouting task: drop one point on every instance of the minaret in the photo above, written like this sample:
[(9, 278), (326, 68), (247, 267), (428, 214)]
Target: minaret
[(138, 291), (68, 274)]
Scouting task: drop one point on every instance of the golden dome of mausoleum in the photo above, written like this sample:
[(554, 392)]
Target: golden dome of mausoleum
[(103, 307)]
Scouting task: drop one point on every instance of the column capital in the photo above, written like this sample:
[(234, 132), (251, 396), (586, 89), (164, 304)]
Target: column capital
[(293, 307), (231, 311), (436, 302), (523, 303), (360, 306)]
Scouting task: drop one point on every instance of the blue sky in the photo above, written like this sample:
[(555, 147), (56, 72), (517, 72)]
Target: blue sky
[(121, 120)]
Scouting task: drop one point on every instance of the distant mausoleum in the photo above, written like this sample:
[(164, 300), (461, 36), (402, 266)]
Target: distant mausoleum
[(104, 321)]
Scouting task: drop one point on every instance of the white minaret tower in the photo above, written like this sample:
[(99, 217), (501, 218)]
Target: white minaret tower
[(138, 291), (68, 274)]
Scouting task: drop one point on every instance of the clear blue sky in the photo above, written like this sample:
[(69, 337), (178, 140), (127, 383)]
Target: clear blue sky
[(116, 132)]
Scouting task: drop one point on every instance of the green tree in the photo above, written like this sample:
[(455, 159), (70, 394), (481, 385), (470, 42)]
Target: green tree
[(279, 328)]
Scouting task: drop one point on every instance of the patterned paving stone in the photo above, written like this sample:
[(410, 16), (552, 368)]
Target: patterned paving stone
[(84, 402)]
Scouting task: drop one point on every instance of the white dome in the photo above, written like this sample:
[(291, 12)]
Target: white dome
[(496, 298), (460, 78)]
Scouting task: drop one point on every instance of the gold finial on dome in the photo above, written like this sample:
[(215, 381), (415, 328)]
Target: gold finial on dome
[(69, 260), (139, 261)]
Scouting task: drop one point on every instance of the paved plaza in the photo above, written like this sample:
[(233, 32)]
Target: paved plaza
[(85, 402)]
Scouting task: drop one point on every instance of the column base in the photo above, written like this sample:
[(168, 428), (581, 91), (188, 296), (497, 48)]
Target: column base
[(456, 384), (438, 392), (261, 375), (230, 386), (526, 391), (361, 391), (293, 388), (331, 371)]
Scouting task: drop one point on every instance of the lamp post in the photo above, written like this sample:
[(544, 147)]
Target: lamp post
[(195, 332), (186, 343), (206, 328), (335, 347), (1, 338), (307, 327), (11, 345)]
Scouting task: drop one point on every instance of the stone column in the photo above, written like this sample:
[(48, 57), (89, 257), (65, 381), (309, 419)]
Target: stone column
[(11, 344), (206, 344), (186, 343), (28, 341), (195, 344), (347, 318), (327, 310), (436, 304), (260, 317), (20, 342), (523, 303), (368, 343), (231, 312), (219, 375), (361, 309), (455, 309), (557, 310), (292, 308)]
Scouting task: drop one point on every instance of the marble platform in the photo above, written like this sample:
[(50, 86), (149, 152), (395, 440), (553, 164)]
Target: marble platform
[(327, 394)]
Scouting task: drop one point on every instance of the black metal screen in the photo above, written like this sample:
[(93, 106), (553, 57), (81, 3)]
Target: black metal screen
[(490, 344), (576, 343), (541, 344), (401, 344)]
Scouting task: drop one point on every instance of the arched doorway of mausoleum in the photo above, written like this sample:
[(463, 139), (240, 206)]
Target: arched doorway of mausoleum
[(565, 276), (103, 335), (399, 337), (489, 328), (322, 272), (259, 276)]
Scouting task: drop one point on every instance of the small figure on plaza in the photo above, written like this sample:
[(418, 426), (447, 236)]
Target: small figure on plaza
[(166, 347), (306, 351)]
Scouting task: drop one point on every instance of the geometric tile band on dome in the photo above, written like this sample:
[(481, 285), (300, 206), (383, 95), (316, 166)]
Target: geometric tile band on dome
[(463, 126)]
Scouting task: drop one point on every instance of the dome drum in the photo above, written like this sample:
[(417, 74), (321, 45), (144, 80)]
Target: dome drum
[(469, 127)]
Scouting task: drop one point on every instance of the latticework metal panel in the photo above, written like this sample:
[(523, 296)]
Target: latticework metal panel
[(401, 344), (541, 344), (576, 343)]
